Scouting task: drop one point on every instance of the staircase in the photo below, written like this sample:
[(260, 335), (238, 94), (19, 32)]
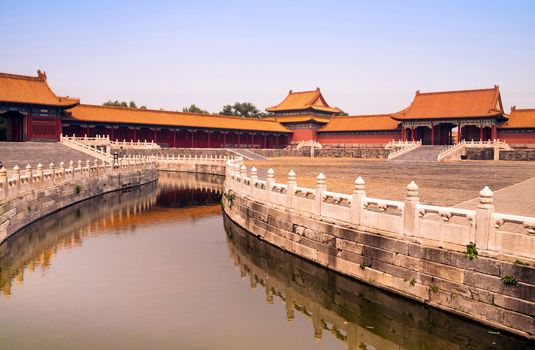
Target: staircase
[(246, 154), (422, 154), (33, 153)]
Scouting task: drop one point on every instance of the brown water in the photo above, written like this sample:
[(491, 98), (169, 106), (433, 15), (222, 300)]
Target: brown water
[(159, 267)]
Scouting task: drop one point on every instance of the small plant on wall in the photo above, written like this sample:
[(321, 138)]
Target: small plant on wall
[(509, 280), (77, 189), (229, 197), (471, 251)]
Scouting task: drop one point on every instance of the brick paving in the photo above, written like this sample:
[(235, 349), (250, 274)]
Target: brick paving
[(518, 199), (444, 184)]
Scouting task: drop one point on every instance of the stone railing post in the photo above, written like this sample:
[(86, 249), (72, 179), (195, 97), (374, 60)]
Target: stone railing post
[(95, 164), (52, 168), (359, 194), (269, 183), (29, 176), (88, 168), (41, 175), (410, 214), (80, 168), (71, 167), (16, 174), (253, 178), (290, 188), (243, 174), (3, 178), (62, 170), (484, 225), (318, 196)]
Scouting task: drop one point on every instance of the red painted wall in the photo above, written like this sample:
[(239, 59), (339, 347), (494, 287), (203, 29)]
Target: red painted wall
[(517, 137), (358, 138), (303, 135)]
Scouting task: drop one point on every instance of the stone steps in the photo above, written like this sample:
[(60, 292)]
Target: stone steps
[(33, 153), (422, 154)]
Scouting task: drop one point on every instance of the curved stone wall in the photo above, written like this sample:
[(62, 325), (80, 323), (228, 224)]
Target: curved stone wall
[(491, 289), (37, 195)]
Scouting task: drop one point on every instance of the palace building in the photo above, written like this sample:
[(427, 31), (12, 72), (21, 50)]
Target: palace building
[(31, 111), (303, 112)]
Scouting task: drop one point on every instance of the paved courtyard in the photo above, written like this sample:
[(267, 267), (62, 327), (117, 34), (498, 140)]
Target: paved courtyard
[(446, 184)]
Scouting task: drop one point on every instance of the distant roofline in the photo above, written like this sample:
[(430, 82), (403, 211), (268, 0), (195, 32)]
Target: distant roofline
[(270, 119)]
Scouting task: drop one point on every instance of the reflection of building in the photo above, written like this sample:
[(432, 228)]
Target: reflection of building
[(30, 111), (179, 197), (362, 316)]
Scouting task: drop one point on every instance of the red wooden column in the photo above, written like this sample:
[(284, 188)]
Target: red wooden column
[(239, 140), (209, 139), (192, 132), (265, 140), (224, 139), (174, 138), (480, 133), (432, 134), (460, 133), (403, 133), (412, 133), (154, 137), (58, 129), (87, 131), (29, 127), (493, 132)]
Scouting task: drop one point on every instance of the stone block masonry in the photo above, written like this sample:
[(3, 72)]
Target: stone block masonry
[(475, 268), (30, 196)]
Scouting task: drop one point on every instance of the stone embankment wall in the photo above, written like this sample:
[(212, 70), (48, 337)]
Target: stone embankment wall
[(350, 151), (514, 154), (31, 196), (420, 256)]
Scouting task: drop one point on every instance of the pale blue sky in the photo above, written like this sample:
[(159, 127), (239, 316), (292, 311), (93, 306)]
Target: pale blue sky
[(367, 56)]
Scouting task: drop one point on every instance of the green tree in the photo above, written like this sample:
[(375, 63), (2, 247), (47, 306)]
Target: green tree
[(122, 104), (143, 107), (242, 109), (194, 109)]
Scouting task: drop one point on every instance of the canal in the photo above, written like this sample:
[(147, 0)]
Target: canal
[(160, 267)]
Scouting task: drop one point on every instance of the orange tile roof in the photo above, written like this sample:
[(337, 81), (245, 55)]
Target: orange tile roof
[(375, 122), (304, 100), (300, 118), (31, 90), (106, 114), (519, 119), (454, 104)]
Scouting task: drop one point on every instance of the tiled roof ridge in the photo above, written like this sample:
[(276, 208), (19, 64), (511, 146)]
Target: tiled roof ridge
[(418, 92), (23, 77), (363, 116), (317, 93), (176, 112), (515, 109)]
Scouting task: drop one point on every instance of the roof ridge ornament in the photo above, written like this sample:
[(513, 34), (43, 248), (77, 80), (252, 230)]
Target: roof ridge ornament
[(41, 75)]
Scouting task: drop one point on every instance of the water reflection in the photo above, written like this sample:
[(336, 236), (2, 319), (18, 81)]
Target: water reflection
[(33, 248), (361, 316)]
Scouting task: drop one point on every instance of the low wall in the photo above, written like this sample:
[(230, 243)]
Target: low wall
[(173, 151), (399, 246), (26, 198), (350, 151), (520, 154)]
